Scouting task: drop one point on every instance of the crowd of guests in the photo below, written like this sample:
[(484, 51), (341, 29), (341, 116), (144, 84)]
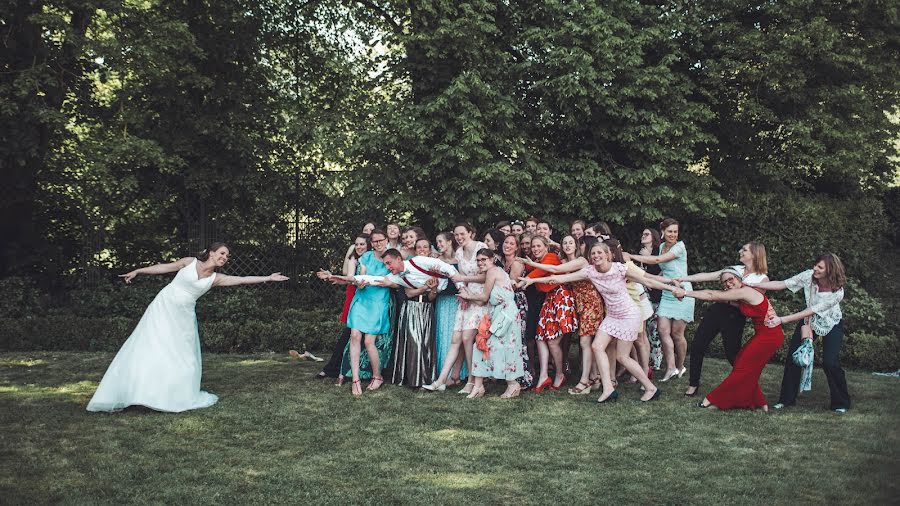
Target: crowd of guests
[(507, 304)]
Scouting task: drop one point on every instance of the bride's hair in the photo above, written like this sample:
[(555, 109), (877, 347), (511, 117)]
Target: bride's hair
[(204, 255)]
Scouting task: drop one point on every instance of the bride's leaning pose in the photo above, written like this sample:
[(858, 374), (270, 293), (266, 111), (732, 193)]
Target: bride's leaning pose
[(159, 366)]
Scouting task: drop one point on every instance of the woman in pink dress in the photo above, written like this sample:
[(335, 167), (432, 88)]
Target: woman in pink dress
[(622, 320)]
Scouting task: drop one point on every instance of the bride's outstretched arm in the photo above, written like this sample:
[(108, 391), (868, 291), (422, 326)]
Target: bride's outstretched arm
[(157, 269), (223, 280)]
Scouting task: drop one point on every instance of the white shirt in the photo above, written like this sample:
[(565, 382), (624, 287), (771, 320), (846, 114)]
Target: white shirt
[(411, 277), (827, 305), (750, 278)]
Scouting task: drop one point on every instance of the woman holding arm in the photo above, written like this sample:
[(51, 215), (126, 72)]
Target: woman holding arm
[(332, 369), (369, 319), (673, 314), (741, 388), (622, 318), (650, 241), (469, 315), (823, 289), (445, 308), (514, 269), (722, 317), (497, 353), (160, 365), (589, 307)]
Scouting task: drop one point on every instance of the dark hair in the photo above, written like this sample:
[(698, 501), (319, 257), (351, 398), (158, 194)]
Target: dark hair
[(601, 228), (420, 232), (487, 252), (532, 218), (615, 249), (378, 231), (589, 241), (368, 244), (835, 276), (654, 236), (668, 222), (466, 225), (448, 236), (577, 246), (392, 252), (501, 224), (204, 255), (498, 238)]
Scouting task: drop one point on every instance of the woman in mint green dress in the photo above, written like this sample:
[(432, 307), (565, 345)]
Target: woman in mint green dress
[(445, 312)]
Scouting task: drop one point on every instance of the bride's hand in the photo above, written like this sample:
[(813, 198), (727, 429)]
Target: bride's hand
[(276, 276), (127, 277)]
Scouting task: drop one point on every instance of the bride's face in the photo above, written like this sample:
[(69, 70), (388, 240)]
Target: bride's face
[(220, 256)]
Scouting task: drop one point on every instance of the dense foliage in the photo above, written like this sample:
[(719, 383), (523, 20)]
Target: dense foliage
[(129, 130)]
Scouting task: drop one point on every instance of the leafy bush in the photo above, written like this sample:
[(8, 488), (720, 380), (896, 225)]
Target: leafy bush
[(870, 351)]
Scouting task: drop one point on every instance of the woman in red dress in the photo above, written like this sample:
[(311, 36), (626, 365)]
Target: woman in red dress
[(741, 388)]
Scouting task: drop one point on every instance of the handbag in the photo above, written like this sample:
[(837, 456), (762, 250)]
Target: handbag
[(803, 357)]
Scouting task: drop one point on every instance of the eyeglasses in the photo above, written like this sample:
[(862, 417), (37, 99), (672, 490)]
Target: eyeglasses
[(378, 241), (481, 260), (645, 233)]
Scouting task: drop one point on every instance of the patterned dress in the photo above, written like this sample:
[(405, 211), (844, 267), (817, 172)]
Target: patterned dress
[(527, 378), (558, 316), (470, 317), (503, 357), (623, 318), (588, 306)]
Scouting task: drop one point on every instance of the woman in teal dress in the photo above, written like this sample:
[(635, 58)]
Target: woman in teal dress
[(369, 319), (498, 346), (445, 312), (673, 314)]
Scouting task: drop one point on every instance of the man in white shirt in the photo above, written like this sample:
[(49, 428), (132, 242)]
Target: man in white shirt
[(416, 271)]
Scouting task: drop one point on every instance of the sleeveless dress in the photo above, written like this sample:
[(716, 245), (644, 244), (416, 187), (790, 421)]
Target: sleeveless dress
[(741, 388), (469, 318), (159, 366), (669, 306), (503, 358), (623, 318)]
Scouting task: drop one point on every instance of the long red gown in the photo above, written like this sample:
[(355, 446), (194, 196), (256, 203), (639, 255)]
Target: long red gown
[(741, 388)]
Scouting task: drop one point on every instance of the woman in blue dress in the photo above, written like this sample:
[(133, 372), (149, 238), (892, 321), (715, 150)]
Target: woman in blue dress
[(445, 310), (673, 314), (369, 318)]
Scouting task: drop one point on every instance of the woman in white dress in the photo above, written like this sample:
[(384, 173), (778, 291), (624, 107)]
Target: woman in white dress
[(159, 366)]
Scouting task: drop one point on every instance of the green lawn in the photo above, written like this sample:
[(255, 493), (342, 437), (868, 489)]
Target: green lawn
[(279, 436)]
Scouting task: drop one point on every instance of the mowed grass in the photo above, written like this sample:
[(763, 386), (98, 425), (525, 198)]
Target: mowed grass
[(279, 436)]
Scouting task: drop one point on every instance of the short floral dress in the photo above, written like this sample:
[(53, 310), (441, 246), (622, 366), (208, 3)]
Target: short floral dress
[(558, 316), (623, 318), (588, 306), (470, 317)]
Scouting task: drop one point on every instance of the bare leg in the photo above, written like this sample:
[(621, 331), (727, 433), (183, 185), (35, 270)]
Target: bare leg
[(456, 371), (451, 358), (623, 349), (468, 342), (375, 361), (477, 387), (355, 350), (555, 347), (602, 361), (642, 346), (587, 359), (611, 359), (679, 342), (664, 325), (544, 355)]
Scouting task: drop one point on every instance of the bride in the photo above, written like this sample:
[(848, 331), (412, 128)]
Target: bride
[(159, 366)]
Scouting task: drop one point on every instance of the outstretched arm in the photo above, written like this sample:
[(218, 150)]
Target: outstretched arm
[(222, 280), (556, 279), (157, 269), (638, 276), (701, 277), (652, 259), (768, 285), (577, 264)]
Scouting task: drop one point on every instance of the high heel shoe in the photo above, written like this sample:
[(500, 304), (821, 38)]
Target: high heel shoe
[(613, 397), (561, 384), (669, 375), (476, 393), (464, 391), (435, 387), (540, 388), (682, 371), (656, 396), (510, 395)]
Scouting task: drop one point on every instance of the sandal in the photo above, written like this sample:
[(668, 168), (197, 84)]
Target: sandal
[(580, 389), (356, 388), (510, 395), (380, 381), (464, 391)]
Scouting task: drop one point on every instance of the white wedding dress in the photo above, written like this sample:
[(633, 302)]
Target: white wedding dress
[(159, 366)]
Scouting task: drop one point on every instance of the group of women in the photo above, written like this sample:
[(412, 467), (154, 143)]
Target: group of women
[(515, 299), (478, 310)]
